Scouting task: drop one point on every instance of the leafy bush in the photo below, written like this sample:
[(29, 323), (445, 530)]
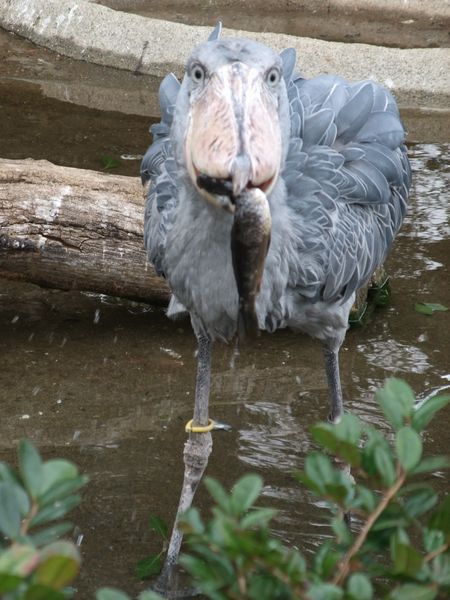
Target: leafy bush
[(34, 564), (398, 551)]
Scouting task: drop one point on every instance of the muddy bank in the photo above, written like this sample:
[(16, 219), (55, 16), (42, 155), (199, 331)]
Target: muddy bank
[(419, 77)]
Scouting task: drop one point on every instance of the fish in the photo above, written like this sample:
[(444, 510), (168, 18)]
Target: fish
[(250, 240)]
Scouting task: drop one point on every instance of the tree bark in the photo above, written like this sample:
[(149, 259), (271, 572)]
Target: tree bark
[(75, 229)]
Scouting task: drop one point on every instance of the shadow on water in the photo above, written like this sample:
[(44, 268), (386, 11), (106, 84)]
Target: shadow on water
[(109, 384)]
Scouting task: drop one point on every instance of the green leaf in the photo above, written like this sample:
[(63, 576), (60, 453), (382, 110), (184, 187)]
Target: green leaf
[(396, 399), (9, 510), (341, 439), (245, 492), (55, 472), (158, 526), (384, 465), (55, 511), (149, 595), (324, 591), (406, 559), (441, 569), (31, 467), (418, 500), (359, 587), (9, 582), (412, 591), (60, 563), (365, 499), (8, 476), (431, 464), (19, 560), (107, 593), (42, 592), (60, 490), (441, 518), (325, 560), (149, 566), (319, 471), (432, 539), (423, 415), (50, 534), (341, 531), (296, 566), (259, 517), (57, 571), (218, 493), (191, 522), (409, 448), (109, 162), (428, 308)]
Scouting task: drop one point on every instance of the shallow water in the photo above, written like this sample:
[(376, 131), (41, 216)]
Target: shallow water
[(109, 384)]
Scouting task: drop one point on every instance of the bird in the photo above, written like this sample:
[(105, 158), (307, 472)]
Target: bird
[(271, 200)]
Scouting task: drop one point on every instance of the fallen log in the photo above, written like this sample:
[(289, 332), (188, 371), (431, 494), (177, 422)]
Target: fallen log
[(75, 229)]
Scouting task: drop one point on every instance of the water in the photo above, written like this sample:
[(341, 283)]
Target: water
[(109, 384)]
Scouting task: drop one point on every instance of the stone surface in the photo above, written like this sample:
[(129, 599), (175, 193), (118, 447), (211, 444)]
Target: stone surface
[(92, 32)]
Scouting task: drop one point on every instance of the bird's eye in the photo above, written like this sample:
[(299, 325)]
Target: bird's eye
[(273, 77), (197, 73)]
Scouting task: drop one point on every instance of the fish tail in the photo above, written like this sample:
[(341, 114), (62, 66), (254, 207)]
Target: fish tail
[(248, 326)]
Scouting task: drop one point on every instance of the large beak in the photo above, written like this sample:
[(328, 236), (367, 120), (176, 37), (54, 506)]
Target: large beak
[(233, 141)]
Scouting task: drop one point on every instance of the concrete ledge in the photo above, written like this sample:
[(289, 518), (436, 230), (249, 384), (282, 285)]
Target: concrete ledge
[(92, 32), (389, 9)]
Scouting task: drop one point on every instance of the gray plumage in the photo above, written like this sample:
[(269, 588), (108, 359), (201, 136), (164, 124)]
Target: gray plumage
[(336, 207)]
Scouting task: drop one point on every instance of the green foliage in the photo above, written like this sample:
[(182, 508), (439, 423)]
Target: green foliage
[(152, 564), (233, 555), (33, 565), (428, 308), (109, 162)]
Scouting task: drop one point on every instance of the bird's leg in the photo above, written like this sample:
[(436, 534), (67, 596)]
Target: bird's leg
[(196, 453), (334, 383), (336, 406)]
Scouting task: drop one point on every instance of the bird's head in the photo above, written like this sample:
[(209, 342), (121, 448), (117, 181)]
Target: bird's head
[(230, 110)]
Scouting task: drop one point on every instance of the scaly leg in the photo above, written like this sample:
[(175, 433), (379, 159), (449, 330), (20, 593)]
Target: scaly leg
[(196, 453), (334, 384), (336, 405)]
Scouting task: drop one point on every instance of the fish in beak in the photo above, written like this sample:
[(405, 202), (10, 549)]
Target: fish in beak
[(250, 239), (233, 139)]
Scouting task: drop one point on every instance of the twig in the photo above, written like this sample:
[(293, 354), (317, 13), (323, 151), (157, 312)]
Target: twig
[(386, 499), (30, 516), (436, 552)]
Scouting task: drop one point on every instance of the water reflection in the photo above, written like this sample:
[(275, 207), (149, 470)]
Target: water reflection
[(430, 217), (394, 356)]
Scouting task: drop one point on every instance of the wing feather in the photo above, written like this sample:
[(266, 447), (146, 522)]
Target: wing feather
[(347, 183)]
